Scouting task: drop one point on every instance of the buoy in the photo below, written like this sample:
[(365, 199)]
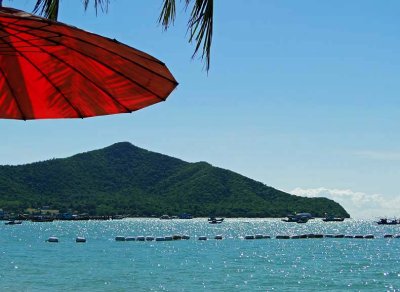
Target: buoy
[(52, 239), (130, 238), (249, 237), (160, 238), (369, 236), (140, 238), (258, 236), (329, 236), (168, 238), (295, 237), (120, 238), (185, 237), (80, 239), (358, 236), (318, 236), (339, 236), (388, 236), (282, 237), (266, 236), (149, 238), (348, 236)]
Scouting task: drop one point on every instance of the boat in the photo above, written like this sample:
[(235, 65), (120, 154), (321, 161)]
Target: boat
[(302, 219), (185, 216), (165, 217), (214, 220), (42, 219), (385, 221), (332, 219), (13, 222), (298, 218)]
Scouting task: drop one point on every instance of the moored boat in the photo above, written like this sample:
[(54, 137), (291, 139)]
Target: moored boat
[(333, 219), (298, 218), (13, 222), (214, 220), (385, 221), (42, 219)]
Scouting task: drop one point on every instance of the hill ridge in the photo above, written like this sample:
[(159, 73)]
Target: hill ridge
[(125, 179)]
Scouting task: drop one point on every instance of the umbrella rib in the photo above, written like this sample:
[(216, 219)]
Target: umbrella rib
[(45, 76), (98, 61), (55, 86), (13, 93), (93, 44), (50, 23), (84, 76)]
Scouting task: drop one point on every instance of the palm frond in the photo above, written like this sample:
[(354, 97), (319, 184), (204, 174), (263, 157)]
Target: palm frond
[(102, 4), (168, 13), (47, 8), (200, 24)]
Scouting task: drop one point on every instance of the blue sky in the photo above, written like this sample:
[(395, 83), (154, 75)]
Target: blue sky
[(302, 96)]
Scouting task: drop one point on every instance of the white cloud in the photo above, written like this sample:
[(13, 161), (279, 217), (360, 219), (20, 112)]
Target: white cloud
[(357, 204)]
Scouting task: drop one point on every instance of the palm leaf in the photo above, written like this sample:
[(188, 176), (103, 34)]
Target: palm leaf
[(49, 8), (200, 24)]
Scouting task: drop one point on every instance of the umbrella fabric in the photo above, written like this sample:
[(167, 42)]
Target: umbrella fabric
[(52, 70)]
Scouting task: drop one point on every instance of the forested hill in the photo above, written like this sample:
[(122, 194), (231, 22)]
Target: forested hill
[(125, 179)]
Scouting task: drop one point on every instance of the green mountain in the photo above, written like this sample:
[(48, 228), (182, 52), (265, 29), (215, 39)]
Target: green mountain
[(125, 179)]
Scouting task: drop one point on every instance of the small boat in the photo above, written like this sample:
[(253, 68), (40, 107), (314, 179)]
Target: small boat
[(298, 218), (165, 217), (214, 220), (385, 221), (42, 219), (13, 222), (333, 219), (302, 219), (185, 216)]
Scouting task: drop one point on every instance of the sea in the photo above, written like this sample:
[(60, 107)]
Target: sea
[(28, 262)]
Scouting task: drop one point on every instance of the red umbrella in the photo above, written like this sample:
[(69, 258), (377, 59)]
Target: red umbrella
[(52, 70)]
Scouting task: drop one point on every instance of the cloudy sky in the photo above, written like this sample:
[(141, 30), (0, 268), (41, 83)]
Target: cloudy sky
[(301, 95)]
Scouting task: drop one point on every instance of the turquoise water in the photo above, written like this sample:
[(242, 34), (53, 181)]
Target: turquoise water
[(28, 263)]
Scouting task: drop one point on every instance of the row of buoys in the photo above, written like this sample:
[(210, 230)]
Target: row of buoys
[(80, 239), (152, 238), (55, 239)]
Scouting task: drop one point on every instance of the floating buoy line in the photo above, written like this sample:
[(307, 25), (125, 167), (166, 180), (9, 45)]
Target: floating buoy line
[(143, 238)]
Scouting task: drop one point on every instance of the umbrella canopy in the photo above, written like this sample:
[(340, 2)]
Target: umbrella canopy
[(52, 70)]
